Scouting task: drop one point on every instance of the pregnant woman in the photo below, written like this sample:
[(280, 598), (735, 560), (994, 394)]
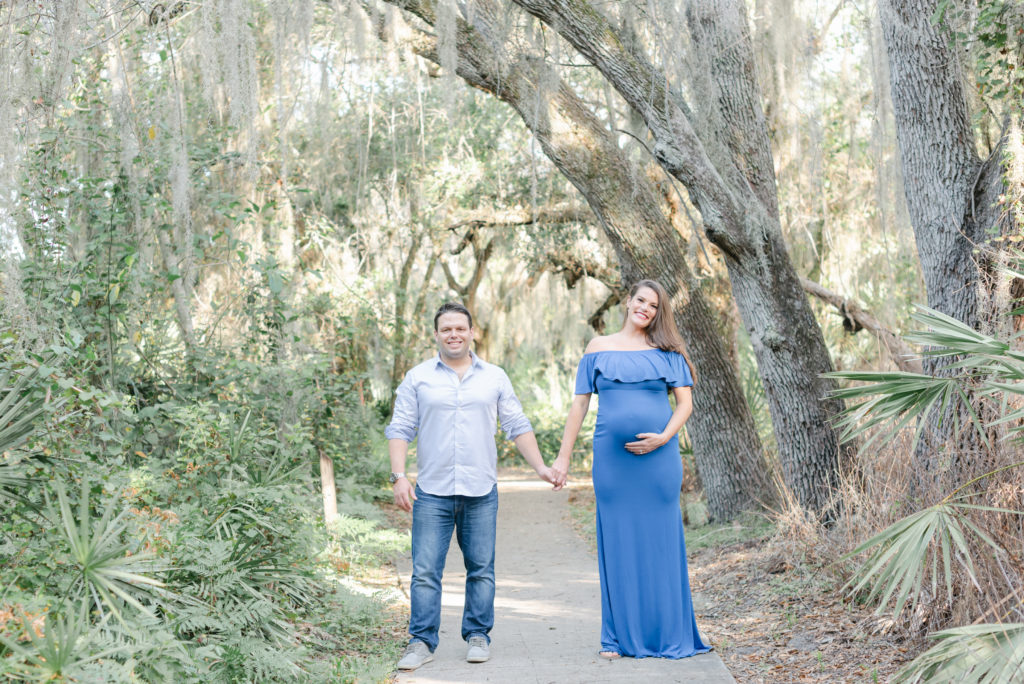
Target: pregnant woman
[(646, 608)]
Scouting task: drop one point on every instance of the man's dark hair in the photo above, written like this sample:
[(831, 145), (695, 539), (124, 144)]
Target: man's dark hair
[(452, 307)]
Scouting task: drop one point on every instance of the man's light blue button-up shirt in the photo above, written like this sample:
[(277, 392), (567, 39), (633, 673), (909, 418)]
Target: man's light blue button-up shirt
[(456, 422)]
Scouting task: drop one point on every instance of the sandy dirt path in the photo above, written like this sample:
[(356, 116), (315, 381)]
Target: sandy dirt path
[(547, 606)]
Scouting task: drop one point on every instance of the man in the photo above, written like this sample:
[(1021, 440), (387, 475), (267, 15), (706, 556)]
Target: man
[(452, 401)]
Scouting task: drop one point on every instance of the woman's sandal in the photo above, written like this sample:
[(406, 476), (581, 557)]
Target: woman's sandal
[(609, 655)]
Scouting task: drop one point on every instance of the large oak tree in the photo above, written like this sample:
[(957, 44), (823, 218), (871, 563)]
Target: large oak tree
[(719, 149), (727, 449)]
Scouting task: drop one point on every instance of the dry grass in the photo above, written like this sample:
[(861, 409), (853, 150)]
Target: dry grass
[(892, 483)]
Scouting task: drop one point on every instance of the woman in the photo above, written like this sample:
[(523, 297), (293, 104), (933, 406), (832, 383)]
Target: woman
[(646, 608)]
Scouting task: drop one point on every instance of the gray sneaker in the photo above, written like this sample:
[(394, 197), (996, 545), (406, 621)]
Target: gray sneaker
[(416, 653), (479, 651)]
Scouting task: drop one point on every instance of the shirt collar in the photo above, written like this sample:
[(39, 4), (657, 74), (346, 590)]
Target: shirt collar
[(477, 362)]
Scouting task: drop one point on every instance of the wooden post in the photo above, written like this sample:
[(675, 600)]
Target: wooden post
[(328, 488)]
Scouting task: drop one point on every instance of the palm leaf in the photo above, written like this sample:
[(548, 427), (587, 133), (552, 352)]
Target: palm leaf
[(898, 561), (65, 646), (976, 654), (21, 407), (946, 336), (110, 573), (895, 399)]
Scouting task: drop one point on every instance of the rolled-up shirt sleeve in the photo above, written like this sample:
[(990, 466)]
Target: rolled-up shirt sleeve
[(405, 418), (510, 412)]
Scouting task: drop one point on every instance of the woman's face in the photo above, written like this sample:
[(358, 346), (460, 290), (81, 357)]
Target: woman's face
[(642, 307)]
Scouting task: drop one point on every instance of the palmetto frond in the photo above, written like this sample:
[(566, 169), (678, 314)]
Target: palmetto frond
[(898, 562), (976, 654), (60, 651), (940, 536), (894, 400), (21, 408), (110, 574), (887, 402)]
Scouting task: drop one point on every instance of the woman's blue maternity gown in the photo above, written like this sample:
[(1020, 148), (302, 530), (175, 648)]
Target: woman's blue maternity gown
[(646, 608)]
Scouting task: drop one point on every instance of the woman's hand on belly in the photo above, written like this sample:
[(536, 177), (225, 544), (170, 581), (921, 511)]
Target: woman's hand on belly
[(646, 443)]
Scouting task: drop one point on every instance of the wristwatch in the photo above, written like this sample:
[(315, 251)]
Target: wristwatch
[(395, 477)]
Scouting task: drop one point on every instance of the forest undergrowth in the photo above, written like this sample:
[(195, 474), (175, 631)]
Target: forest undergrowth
[(178, 536)]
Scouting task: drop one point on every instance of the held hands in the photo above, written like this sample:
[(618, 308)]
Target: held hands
[(548, 475), (560, 471), (646, 443), (404, 494)]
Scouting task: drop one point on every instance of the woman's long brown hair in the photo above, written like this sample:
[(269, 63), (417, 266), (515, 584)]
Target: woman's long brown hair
[(662, 331)]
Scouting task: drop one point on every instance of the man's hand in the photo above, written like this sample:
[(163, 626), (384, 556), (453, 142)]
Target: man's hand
[(560, 471), (548, 476), (404, 494)]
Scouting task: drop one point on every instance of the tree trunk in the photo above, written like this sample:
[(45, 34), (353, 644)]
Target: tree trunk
[(727, 449), (182, 307), (400, 363), (729, 174), (951, 197), (936, 144)]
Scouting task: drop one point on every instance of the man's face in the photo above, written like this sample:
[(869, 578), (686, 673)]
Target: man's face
[(453, 336)]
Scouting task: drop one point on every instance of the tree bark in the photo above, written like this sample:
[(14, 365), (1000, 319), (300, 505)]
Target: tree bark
[(727, 449), (182, 307), (399, 364), (940, 164), (729, 174), (951, 195)]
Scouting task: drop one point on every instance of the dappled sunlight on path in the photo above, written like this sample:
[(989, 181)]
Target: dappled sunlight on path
[(547, 607)]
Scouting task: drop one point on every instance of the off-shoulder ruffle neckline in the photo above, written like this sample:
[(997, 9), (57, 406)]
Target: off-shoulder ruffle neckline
[(623, 351), (631, 365)]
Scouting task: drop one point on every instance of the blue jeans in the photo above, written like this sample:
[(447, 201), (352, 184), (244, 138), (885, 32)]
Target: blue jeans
[(474, 519)]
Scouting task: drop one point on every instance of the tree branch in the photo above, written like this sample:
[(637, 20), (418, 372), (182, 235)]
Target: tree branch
[(566, 212), (677, 145), (450, 277), (572, 268), (468, 238), (596, 320), (481, 256), (856, 319)]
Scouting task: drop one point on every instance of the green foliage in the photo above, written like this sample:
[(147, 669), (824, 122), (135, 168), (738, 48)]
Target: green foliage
[(67, 651), (22, 405), (753, 391), (20, 408), (991, 30), (545, 390), (977, 654), (899, 560), (176, 541), (890, 401), (108, 571), (358, 541), (907, 559), (357, 629)]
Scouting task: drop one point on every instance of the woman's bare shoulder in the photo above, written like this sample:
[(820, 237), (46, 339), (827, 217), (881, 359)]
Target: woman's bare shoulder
[(600, 343)]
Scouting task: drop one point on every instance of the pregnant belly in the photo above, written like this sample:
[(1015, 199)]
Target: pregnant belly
[(622, 415)]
